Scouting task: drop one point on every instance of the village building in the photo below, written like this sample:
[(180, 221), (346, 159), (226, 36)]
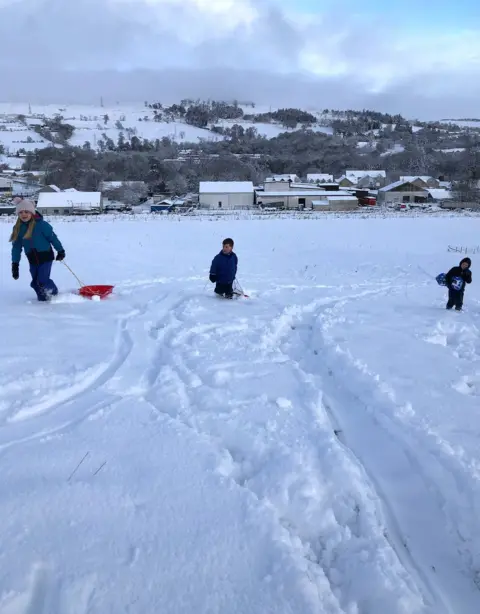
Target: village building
[(409, 192), (297, 199), (319, 178), (5, 186), (345, 182), (69, 203), (280, 182), (422, 181), (373, 179), (226, 194)]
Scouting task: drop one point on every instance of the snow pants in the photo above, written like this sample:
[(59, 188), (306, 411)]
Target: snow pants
[(44, 287), (224, 289), (455, 299)]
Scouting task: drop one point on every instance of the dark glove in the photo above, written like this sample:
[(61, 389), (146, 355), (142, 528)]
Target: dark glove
[(15, 270), (60, 256), (212, 278)]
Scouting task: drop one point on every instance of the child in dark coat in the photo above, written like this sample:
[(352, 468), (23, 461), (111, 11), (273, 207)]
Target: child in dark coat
[(456, 278), (224, 270), (36, 237)]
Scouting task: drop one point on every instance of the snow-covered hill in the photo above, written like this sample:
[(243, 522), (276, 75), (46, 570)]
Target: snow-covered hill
[(91, 123), (313, 448)]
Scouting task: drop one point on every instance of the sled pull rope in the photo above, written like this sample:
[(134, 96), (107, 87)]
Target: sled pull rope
[(80, 283)]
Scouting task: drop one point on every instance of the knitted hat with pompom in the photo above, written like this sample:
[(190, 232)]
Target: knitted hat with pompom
[(24, 205)]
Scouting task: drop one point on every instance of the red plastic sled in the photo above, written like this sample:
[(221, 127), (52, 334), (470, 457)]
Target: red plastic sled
[(101, 291)]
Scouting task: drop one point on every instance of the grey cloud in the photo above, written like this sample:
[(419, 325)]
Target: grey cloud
[(62, 51)]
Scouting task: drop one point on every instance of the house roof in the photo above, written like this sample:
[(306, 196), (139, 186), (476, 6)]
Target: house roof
[(285, 177), (440, 194), (425, 178), (110, 185), (396, 184), (113, 185), (309, 186), (172, 201), (55, 188), (306, 193), (226, 187), (319, 177), (74, 200), (357, 175)]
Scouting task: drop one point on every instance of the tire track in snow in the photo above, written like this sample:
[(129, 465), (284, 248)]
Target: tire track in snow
[(416, 523)]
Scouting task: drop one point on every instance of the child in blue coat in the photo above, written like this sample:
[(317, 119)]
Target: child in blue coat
[(224, 270), (36, 237)]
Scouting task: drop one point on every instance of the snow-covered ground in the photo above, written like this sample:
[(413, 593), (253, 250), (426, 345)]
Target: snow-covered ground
[(15, 136), (91, 125), (313, 448), (463, 123)]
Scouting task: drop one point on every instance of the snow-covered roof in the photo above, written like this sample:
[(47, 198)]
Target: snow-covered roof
[(55, 188), (171, 201), (411, 178), (308, 186), (74, 200), (71, 190), (286, 177), (306, 193), (440, 194), (110, 185), (357, 175), (114, 185), (226, 187), (397, 184), (319, 177)]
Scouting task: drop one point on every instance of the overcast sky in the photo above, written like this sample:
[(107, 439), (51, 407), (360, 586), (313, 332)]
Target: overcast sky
[(315, 53)]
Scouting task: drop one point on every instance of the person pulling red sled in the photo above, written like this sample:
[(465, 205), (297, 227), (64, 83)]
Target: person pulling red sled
[(35, 237)]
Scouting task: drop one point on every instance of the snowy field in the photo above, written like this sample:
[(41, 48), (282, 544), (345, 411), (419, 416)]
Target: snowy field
[(310, 449), (90, 125)]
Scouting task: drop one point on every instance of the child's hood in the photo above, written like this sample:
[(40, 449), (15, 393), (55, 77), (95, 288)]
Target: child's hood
[(467, 260)]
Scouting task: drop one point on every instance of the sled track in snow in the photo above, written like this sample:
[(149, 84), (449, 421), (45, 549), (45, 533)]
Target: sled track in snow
[(179, 387), (415, 526), (72, 406), (175, 388), (409, 498)]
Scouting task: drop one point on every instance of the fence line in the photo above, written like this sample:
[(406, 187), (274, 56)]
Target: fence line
[(464, 250), (249, 215)]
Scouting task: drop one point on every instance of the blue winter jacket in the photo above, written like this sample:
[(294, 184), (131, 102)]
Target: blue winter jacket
[(37, 249), (224, 267)]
